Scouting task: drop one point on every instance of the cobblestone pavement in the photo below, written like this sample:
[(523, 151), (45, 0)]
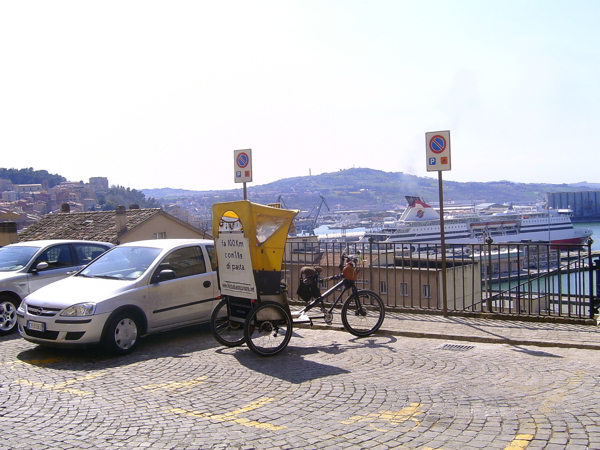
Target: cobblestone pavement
[(328, 389)]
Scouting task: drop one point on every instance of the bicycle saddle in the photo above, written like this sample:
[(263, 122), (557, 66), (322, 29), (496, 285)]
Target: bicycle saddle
[(310, 271)]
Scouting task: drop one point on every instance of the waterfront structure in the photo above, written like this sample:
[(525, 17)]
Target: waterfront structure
[(585, 205)]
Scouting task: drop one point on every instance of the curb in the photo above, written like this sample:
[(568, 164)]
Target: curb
[(485, 340)]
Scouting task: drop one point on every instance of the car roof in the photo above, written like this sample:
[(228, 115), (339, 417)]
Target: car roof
[(46, 242), (167, 243)]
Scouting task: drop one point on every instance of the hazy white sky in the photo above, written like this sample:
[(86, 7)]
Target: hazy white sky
[(160, 94)]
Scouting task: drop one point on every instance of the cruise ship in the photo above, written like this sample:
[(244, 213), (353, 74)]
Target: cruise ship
[(420, 223)]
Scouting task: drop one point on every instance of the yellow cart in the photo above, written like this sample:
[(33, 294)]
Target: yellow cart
[(250, 242)]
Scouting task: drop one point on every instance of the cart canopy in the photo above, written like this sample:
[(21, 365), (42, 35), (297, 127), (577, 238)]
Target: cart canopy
[(266, 229)]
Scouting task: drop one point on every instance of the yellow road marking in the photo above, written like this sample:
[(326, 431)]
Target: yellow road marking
[(33, 362), (170, 386), (558, 395), (42, 362), (520, 442), (62, 387), (232, 416), (393, 417)]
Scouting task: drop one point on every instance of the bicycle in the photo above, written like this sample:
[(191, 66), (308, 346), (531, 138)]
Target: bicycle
[(362, 312)]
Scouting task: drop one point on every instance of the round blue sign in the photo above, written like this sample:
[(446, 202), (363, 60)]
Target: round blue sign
[(437, 144), (242, 160)]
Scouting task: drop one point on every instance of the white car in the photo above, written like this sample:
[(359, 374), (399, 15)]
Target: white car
[(132, 290), (28, 266)]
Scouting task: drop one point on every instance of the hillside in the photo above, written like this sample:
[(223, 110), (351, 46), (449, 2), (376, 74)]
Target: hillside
[(372, 189)]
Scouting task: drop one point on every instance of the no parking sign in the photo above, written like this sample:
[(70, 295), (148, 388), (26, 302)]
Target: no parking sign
[(438, 150), (242, 165)]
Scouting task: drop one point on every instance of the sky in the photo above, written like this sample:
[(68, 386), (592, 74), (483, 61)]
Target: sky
[(160, 94)]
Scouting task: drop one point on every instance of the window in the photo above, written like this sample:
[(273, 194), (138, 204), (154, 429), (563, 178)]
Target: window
[(88, 252), (426, 291), (56, 257), (212, 255), (404, 289), (184, 262), (383, 287), (161, 235)]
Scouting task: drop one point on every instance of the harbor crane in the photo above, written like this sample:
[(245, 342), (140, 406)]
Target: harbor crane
[(317, 208), (307, 223)]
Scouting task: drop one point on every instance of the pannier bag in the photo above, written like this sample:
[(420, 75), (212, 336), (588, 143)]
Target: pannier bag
[(350, 272), (308, 284)]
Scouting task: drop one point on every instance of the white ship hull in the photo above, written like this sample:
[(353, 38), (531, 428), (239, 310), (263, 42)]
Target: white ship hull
[(420, 223)]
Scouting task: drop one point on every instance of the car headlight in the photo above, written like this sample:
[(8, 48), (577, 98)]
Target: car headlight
[(80, 310), (21, 307)]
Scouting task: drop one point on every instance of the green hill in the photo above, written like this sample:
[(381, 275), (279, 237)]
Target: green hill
[(374, 190)]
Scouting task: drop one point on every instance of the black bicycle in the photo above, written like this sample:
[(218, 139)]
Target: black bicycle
[(362, 312), (266, 326)]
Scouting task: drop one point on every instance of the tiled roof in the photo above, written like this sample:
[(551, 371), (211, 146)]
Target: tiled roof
[(89, 226)]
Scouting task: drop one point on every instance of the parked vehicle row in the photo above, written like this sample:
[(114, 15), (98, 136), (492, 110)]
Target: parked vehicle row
[(28, 266), (127, 292)]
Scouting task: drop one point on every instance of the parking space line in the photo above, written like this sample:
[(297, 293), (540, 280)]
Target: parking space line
[(63, 386), (170, 386), (233, 415), (42, 362), (520, 442), (392, 417)]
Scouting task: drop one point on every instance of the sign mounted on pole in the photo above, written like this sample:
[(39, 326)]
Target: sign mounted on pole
[(242, 165), (438, 150)]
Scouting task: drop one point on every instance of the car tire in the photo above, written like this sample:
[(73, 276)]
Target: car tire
[(122, 333), (8, 314)]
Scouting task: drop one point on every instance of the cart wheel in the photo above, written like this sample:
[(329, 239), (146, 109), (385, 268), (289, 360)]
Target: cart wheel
[(268, 329), (363, 313), (225, 331)]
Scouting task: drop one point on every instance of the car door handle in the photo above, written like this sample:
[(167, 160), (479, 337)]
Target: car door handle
[(206, 284)]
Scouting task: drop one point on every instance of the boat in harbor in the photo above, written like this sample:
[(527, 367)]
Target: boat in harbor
[(420, 223)]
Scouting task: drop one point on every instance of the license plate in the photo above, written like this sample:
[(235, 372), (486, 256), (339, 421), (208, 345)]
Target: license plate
[(36, 326)]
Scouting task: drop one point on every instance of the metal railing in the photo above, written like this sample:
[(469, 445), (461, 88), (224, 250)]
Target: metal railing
[(525, 279)]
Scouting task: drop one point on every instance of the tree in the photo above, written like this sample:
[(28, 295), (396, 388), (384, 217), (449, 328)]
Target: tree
[(119, 195)]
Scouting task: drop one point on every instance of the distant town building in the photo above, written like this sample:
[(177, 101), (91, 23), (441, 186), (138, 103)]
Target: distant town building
[(5, 185), (99, 183), (10, 196), (21, 188)]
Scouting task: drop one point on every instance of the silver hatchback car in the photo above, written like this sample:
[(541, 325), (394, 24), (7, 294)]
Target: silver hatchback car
[(134, 289), (27, 266)]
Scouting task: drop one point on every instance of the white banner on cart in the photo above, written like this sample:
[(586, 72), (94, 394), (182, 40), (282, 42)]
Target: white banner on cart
[(235, 265)]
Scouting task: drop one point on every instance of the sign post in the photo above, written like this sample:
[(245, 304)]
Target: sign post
[(242, 167), (438, 159)]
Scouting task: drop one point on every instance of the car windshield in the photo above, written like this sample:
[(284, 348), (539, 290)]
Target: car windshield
[(15, 258), (121, 263)]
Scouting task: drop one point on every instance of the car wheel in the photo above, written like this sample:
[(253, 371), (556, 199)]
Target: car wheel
[(8, 314), (122, 333)]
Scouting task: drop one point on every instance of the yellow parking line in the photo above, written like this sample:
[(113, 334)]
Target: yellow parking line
[(393, 417), (232, 416), (520, 442), (62, 387), (42, 362), (170, 386)]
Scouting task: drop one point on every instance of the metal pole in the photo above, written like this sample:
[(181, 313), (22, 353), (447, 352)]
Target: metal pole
[(245, 192), (444, 293)]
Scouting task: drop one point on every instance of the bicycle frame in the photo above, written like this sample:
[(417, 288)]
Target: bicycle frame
[(348, 285)]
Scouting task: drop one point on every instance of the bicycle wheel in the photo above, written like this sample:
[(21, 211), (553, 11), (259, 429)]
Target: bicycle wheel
[(226, 331), (268, 329), (363, 313)]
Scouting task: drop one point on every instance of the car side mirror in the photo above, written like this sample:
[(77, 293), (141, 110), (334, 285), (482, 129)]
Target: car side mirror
[(166, 275), (42, 265)]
